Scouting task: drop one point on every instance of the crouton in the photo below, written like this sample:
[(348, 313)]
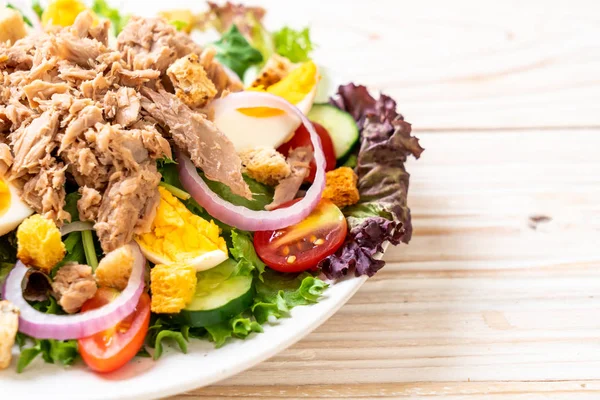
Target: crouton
[(191, 82), (173, 287), (265, 165), (12, 26), (341, 188), (276, 68), (115, 268), (9, 325), (39, 243)]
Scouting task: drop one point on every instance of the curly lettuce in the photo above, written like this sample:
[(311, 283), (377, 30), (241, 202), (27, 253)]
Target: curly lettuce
[(382, 215), (293, 44)]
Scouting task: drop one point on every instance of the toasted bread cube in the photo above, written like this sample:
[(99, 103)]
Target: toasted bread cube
[(39, 243), (191, 82), (265, 165), (9, 325), (12, 26), (341, 188), (115, 268), (276, 68), (173, 287)]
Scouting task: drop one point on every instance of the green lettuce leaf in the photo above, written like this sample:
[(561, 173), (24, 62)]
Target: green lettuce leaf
[(8, 256), (242, 250), (293, 44), (261, 194), (238, 327), (53, 351), (117, 20), (37, 8), (234, 51), (62, 352), (278, 293)]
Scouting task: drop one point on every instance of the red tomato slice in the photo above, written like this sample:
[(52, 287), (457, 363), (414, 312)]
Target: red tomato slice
[(111, 349), (302, 138), (300, 247)]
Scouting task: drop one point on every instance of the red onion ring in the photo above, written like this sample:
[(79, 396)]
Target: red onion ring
[(76, 326), (242, 217), (77, 226)]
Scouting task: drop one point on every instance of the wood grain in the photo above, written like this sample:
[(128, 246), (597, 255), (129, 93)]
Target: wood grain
[(496, 296)]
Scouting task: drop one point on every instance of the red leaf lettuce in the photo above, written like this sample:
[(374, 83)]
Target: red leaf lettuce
[(382, 214)]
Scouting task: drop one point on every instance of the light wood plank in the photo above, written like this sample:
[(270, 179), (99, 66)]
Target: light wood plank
[(507, 64), (417, 390)]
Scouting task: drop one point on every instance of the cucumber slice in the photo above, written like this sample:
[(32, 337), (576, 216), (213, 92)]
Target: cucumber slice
[(340, 125), (218, 297)]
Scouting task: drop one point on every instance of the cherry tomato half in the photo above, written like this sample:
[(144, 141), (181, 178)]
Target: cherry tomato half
[(301, 246), (302, 138), (111, 349)]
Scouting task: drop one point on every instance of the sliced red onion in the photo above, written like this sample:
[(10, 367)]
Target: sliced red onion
[(242, 217), (76, 326), (77, 226)]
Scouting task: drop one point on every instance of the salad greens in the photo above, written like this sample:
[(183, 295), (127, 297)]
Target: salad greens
[(117, 20), (382, 214), (53, 351), (37, 8), (234, 51), (293, 44), (243, 252), (179, 25)]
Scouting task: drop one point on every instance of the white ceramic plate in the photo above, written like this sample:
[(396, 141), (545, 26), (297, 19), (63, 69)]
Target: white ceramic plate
[(174, 372), (203, 365)]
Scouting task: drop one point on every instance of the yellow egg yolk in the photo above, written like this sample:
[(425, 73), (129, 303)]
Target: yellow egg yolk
[(62, 12), (179, 235), (294, 88), (4, 197)]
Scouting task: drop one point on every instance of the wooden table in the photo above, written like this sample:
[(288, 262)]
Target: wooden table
[(497, 295)]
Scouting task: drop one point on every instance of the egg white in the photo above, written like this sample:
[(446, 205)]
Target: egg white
[(202, 262), (16, 212), (246, 132)]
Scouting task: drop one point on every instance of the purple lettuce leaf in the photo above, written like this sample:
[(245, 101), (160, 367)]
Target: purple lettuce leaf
[(382, 214)]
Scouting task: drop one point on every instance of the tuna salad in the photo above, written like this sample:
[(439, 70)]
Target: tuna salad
[(157, 189)]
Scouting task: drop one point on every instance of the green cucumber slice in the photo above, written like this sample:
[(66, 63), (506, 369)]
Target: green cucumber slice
[(340, 125), (218, 297)]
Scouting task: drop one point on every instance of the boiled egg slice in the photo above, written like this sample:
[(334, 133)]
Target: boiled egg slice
[(178, 236), (12, 209), (264, 126)]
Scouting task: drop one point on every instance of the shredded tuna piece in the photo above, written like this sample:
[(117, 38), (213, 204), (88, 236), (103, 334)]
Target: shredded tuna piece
[(45, 193), (6, 159), (73, 285), (72, 109), (32, 143), (128, 103), (89, 203), (207, 147), (299, 160), (40, 90), (129, 197)]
